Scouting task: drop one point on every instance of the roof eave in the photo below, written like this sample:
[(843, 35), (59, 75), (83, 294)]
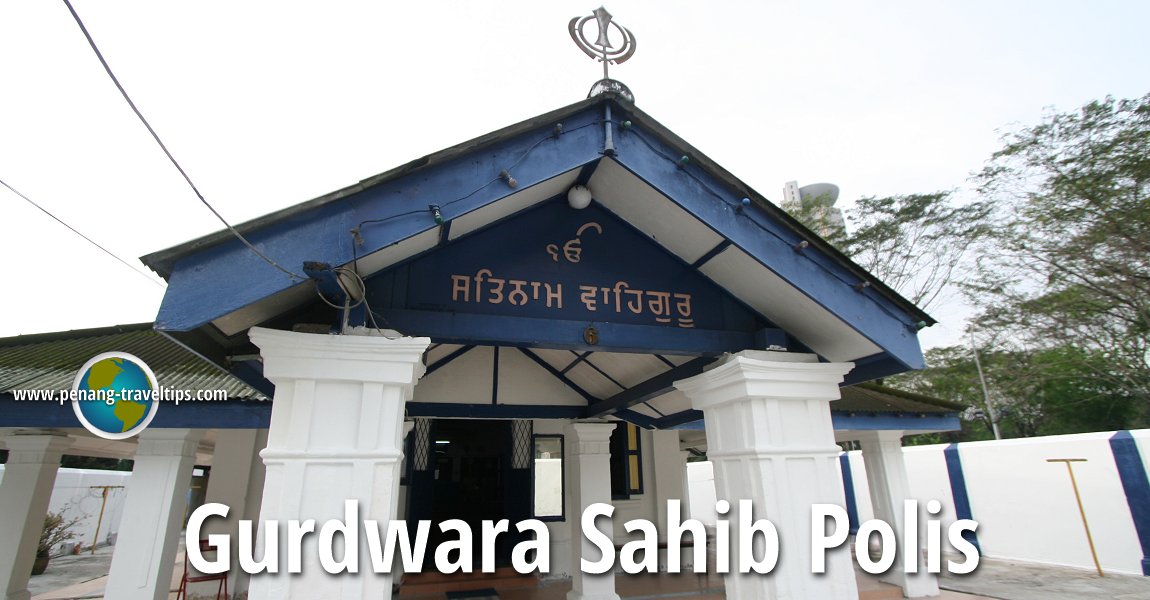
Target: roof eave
[(163, 261)]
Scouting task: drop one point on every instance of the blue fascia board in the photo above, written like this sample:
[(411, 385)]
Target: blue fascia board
[(525, 332), (830, 284), (227, 414), (493, 411), (220, 279), (863, 422), (873, 367), (889, 421)]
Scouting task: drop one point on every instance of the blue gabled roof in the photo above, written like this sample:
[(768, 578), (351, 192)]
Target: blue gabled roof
[(639, 170)]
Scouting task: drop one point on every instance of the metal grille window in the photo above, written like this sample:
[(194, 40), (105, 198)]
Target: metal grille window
[(521, 444), (422, 436)]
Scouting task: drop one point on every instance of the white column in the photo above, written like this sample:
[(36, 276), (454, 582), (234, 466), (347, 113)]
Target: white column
[(770, 438), (588, 447), (236, 481), (33, 458), (144, 557), (886, 477), (336, 434), (670, 484)]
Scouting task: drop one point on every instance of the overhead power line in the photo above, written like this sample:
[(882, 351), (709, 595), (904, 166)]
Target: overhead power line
[(163, 147), (77, 232)]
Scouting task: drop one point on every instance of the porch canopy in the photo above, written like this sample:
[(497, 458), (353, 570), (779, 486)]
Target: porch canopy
[(538, 309)]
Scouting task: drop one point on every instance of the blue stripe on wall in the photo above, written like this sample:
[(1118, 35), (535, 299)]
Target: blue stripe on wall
[(1132, 472), (958, 492), (849, 487)]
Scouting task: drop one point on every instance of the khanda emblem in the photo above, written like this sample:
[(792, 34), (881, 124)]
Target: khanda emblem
[(602, 49), (573, 248)]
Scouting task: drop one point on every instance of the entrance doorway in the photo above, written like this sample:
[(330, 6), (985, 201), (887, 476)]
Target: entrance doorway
[(468, 459), (470, 478)]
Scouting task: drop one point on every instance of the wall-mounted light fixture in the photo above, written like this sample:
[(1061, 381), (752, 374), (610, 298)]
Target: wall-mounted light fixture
[(579, 197)]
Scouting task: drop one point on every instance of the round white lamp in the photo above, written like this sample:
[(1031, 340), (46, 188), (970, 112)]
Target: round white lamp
[(579, 197)]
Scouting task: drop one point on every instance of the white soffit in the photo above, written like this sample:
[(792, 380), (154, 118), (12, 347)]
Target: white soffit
[(258, 312), (440, 351), (636, 202), (645, 410), (520, 200), (671, 403), (398, 252), (523, 381), (465, 380), (558, 359), (628, 369), (787, 307), (592, 381), (678, 360)]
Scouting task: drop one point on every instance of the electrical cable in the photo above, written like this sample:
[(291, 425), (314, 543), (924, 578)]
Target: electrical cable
[(163, 147), (77, 232)]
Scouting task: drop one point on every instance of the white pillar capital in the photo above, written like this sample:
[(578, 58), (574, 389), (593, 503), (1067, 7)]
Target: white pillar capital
[(336, 434), (35, 447), (590, 437), (764, 374), (30, 474), (357, 358), (887, 437), (770, 438), (169, 442)]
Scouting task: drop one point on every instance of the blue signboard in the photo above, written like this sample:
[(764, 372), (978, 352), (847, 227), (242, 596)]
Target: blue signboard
[(555, 262)]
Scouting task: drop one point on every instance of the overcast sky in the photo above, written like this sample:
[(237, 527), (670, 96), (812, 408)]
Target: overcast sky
[(273, 103)]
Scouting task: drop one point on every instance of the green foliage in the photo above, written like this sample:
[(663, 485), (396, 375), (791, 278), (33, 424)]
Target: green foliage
[(57, 530), (1049, 391), (1055, 255), (917, 244), (1068, 260)]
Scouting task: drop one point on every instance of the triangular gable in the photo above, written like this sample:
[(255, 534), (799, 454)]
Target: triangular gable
[(708, 223), (553, 262)]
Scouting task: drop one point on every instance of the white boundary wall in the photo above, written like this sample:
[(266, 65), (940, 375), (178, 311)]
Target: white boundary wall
[(1024, 505), (73, 495)]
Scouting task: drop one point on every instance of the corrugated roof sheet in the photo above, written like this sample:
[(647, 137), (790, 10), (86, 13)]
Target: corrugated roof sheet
[(871, 397), (49, 361)]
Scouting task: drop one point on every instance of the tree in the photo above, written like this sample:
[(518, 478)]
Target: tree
[(1047, 391), (917, 244), (1067, 261)]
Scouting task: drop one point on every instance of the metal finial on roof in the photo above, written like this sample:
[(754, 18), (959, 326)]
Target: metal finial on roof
[(603, 50)]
